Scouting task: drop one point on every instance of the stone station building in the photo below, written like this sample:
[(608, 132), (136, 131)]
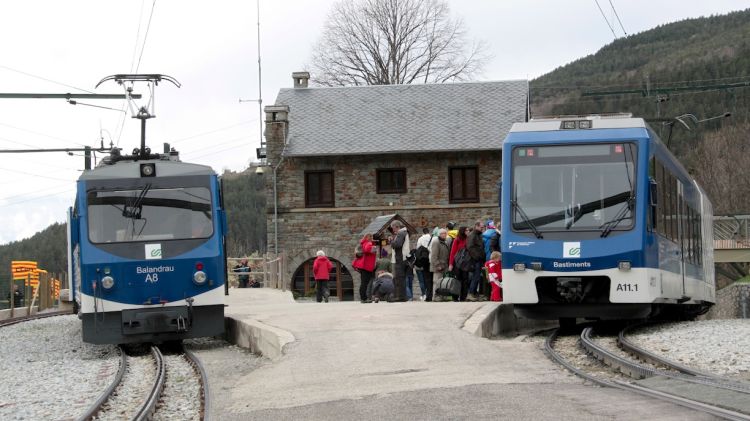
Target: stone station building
[(344, 156)]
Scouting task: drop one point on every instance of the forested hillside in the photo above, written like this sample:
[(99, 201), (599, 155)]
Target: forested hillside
[(669, 64)]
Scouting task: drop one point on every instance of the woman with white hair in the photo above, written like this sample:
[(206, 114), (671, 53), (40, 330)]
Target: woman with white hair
[(439, 255), (322, 273)]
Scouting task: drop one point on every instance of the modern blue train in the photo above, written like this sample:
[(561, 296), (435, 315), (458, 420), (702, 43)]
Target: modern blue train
[(601, 221), (147, 250)]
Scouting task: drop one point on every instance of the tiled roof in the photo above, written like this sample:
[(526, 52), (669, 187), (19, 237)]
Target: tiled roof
[(402, 118)]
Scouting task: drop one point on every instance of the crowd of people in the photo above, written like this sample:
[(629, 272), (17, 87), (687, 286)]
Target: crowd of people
[(462, 264)]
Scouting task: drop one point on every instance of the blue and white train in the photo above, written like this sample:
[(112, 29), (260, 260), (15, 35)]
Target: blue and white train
[(601, 221), (146, 250)]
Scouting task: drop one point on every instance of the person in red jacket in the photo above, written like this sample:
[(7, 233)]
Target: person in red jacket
[(458, 243), (322, 272), (495, 276), (365, 265)]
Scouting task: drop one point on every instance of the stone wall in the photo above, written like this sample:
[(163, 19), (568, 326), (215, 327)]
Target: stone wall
[(729, 302), (302, 231)]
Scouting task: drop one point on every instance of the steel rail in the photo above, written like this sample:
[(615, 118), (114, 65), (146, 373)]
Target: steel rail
[(637, 371), (205, 395), (694, 374), (149, 406), (16, 320), (678, 400), (652, 358), (94, 409)]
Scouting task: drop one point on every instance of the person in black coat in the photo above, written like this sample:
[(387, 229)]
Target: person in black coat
[(17, 296), (475, 246)]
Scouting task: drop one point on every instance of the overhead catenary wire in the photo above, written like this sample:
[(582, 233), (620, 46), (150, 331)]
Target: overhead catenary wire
[(145, 37), (618, 18), (179, 140), (605, 18), (41, 134), (44, 79), (69, 190)]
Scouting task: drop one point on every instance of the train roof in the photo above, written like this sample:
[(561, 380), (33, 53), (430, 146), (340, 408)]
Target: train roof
[(132, 168), (583, 122)]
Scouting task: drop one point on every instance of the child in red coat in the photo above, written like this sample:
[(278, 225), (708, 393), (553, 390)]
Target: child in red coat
[(495, 276), (321, 271)]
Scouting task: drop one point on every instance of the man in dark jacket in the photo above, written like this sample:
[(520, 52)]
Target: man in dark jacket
[(243, 268), (400, 246), (17, 296), (475, 246)]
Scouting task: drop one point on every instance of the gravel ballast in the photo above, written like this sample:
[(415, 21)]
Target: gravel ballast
[(717, 346), (48, 372), (181, 398)]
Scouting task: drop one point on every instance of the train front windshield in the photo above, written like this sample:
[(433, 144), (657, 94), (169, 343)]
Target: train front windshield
[(148, 214), (573, 187)]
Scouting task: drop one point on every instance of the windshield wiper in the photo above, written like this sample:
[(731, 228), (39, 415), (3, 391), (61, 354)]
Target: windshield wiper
[(133, 210), (610, 225), (526, 219)]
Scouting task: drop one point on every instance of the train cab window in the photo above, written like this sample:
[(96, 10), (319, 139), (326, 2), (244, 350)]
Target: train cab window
[(586, 187), (149, 214)]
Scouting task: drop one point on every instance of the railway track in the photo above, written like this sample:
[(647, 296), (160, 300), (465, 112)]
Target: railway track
[(715, 395), (138, 391), (16, 320)]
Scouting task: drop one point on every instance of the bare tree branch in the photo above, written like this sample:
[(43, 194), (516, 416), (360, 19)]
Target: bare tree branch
[(385, 42)]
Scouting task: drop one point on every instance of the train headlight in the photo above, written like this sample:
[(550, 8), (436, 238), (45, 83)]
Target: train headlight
[(199, 277), (623, 265), (108, 282), (519, 267), (148, 170), (537, 266)]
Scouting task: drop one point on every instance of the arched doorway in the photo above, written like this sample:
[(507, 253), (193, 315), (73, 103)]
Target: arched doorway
[(341, 283)]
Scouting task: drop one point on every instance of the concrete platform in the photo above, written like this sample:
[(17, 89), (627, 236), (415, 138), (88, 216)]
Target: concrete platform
[(410, 360)]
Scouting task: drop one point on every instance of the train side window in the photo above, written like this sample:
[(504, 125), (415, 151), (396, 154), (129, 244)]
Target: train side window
[(660, 204)]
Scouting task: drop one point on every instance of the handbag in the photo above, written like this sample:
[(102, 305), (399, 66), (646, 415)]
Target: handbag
[(449, 285)]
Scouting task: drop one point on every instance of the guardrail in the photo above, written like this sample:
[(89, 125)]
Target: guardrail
[(266, 270)]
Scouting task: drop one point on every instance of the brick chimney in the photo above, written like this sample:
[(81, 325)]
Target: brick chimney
[(300, 79)]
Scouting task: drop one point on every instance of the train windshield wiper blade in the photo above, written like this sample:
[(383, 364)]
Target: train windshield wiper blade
[(626, 211), (133, 210), (526, 219)]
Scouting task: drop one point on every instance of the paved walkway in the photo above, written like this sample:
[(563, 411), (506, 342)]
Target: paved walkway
[(407, 361)]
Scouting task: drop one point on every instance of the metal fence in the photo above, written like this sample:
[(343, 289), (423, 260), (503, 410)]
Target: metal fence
[(267, 271), (44, 294)]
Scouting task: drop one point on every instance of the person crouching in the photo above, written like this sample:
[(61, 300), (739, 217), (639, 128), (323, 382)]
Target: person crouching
[(322, 272), (383, 287)]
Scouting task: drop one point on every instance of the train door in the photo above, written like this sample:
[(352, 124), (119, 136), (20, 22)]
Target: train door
[(681, 233)]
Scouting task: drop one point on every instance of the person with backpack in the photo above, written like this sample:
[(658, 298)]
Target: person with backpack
[(460, 266), (364, 262), (422, 261), (322, 272), (491, 239)]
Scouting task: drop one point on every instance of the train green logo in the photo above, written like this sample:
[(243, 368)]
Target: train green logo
[(153, 251), (572, 250)]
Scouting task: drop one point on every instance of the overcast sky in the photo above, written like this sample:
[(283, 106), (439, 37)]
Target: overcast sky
[(210, 47)]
